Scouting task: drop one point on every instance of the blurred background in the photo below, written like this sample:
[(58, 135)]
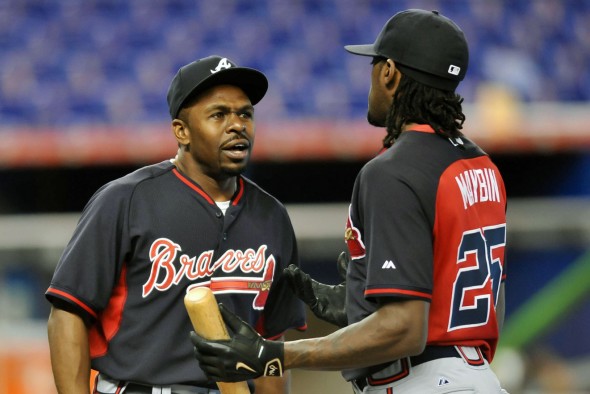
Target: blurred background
[(82, 101)]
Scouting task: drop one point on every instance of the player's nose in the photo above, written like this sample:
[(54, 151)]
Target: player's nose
[(236, 124)]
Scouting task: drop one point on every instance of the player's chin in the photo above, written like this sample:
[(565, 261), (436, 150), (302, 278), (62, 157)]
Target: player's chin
[(234, 168), (374, 120)]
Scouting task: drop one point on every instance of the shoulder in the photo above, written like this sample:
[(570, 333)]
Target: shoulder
[(258, 195), (123, 188), (419, 151), (142, 174)]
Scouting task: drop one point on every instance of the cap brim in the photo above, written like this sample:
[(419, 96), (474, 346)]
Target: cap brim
[(251, 81), (363, 50)]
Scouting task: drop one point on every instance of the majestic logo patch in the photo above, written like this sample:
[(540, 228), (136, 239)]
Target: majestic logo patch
[(222, 65), (388, 265)]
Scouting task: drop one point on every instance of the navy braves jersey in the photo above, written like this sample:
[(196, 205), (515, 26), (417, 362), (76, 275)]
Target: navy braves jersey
[(427, 221), (143, 241)]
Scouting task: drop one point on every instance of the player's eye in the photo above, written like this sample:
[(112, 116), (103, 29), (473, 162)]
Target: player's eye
[(247, 115)]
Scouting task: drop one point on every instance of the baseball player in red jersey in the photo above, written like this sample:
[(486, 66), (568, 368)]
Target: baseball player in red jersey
[(147, 238), (426, 233)]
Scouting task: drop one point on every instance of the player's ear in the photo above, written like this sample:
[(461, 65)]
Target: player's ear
[(390, 75), (181, 131)]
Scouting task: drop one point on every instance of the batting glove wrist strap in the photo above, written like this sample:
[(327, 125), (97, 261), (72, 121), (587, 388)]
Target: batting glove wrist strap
[(246, 355)]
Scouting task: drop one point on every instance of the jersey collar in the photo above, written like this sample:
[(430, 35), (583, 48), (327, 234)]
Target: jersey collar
[(234, 201), (423, 128)]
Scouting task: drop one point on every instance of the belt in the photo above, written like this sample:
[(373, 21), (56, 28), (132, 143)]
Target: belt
[(434, 353), (429, 354), (134, 388)]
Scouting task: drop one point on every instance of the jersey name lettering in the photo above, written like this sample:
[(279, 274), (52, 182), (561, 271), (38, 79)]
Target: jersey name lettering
[(478, 185), (165, 273)]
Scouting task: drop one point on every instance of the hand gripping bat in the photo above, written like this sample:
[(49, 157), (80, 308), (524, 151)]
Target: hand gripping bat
[(204, 313)]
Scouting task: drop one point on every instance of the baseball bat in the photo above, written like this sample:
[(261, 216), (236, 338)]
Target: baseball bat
[(203, 311)]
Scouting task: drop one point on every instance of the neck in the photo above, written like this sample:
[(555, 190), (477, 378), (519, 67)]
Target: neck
[(220, 188)]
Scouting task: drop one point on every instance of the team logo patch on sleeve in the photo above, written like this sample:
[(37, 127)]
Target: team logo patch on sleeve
[(353, 239)]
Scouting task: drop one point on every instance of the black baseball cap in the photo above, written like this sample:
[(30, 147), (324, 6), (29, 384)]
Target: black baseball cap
[(205, 73), (425, 45)]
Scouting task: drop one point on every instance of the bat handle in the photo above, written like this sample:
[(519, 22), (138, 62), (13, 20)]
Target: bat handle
[(206, 319)]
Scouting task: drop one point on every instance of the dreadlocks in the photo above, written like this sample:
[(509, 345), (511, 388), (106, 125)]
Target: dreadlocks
[(414, 102)]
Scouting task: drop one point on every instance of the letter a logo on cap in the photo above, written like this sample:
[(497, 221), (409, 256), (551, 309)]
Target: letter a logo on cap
[(455, 70), (223, 65)]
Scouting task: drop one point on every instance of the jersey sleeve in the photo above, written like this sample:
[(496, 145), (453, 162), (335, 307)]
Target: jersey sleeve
[(92, 260), (398, 237)]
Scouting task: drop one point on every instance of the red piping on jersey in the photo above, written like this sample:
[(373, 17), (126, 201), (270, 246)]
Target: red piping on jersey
[(73, 299), (203, 193), (193, 186), (424, 128), (398, 292), (240, 193), (109, 322)]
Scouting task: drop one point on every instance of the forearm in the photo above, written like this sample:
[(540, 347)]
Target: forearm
[(395, 330), (70, 356), (388, 334)]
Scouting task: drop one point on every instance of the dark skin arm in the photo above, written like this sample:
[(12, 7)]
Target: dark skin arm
[(395, 330), (70, 355)]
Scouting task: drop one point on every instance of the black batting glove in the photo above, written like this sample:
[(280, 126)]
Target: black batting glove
[(246, 355), (327, 302)]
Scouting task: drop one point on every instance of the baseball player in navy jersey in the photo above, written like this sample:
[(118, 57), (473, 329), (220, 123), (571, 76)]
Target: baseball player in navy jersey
[(426, 234), (147, 238)]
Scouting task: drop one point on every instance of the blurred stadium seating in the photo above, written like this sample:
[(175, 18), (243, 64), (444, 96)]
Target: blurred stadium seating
[(109, 61)]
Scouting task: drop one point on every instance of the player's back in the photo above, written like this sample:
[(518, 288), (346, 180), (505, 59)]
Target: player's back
[(469, 233)]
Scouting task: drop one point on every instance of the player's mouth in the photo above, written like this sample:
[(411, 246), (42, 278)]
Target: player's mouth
[(238, 149)]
